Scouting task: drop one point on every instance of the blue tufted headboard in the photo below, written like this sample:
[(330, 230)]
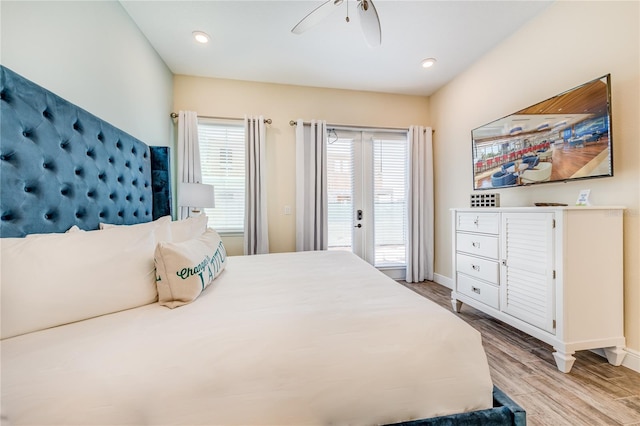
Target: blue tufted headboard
[(62, 166)]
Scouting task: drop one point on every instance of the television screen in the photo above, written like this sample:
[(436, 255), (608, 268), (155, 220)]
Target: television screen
[(563, 138)]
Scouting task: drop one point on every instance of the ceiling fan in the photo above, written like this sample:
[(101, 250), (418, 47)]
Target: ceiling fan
[(369, 20)]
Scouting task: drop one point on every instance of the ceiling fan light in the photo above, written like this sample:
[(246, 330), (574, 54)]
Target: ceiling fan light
[(201, 37), (428, 63)]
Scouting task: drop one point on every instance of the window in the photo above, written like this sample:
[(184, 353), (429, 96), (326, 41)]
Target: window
[(222, 155), (389, 199), (366, 184), (340, 180)]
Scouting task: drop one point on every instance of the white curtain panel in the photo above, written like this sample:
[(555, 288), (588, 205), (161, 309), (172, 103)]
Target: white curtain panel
[(189, 168), (256, 231), (420, 239), (311, 186)]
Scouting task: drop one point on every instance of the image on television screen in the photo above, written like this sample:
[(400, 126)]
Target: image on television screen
[(563, 138)]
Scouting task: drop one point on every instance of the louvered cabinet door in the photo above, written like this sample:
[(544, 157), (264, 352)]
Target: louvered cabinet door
[(527, 270)]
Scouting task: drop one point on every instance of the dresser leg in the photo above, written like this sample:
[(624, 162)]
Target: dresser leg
[(615, 355), (564, 361), (457, 305)]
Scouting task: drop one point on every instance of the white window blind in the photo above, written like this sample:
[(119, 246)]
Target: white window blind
[(340, 193), (389, 202), (222, 154)]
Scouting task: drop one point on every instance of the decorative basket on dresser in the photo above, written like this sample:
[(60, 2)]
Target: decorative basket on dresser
[(552, 272)]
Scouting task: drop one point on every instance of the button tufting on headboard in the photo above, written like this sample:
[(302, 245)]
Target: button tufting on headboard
[(61, 166)]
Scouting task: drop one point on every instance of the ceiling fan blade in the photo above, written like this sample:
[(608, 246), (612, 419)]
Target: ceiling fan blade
[(317, 15), (370, 23)]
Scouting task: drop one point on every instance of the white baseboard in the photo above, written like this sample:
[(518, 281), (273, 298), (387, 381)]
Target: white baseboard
[(442, 280), (631, 360), (394, 273)]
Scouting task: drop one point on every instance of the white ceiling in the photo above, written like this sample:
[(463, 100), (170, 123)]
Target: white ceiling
[(252, 40)]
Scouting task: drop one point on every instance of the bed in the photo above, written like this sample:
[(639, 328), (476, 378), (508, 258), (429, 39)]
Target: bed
[(95, 329)]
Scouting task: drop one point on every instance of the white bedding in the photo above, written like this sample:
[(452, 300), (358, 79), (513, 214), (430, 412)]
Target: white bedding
[(297, 338)]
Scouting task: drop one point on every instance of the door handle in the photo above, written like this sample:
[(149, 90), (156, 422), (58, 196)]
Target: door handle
[(358, 226)]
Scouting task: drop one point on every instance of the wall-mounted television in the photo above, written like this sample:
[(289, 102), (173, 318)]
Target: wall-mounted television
[(564, 138)]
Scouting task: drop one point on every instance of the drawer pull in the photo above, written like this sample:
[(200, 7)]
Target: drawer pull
[(475, 244), (475, 289), (476, 220), (475, 267)]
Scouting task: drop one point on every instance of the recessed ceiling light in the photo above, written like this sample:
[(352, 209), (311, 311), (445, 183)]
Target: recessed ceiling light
[(201, 37), (427, 63)]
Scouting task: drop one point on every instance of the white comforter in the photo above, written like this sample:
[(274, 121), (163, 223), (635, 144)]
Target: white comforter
[(299, 338)]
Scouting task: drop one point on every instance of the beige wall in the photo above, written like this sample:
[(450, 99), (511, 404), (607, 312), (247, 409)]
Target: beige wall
[(568, 44), (91, 54), (282, 103)]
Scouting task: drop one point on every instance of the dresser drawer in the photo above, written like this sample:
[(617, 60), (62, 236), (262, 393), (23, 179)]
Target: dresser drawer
[(478, 290), (487, 223), (478, 244), (476, 267)]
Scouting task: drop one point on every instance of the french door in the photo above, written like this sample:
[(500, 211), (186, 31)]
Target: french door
[(366, 188)]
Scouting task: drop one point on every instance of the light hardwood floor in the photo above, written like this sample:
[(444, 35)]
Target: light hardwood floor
[(593, 393)]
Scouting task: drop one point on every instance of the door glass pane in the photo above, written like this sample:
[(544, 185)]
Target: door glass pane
[(340, 193), (389, 200)]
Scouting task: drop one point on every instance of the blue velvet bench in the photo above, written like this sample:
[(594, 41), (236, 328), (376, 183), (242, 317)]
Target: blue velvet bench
[(504, 412)]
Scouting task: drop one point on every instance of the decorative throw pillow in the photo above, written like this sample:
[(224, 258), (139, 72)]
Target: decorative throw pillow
[(185, 269), (187, 229)]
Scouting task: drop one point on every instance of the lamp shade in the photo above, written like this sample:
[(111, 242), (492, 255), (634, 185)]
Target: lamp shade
[(196, 195)]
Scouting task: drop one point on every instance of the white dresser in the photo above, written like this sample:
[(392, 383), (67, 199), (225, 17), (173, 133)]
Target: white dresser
[(552, 272)]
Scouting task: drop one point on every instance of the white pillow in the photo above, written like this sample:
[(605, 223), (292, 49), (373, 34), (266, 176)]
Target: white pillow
[(163, 233), (187, 229), (185, 269), (54, 279), (74, 228)]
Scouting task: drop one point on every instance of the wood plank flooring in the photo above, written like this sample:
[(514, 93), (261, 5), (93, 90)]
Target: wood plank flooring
[(594, 393), (568, 161)]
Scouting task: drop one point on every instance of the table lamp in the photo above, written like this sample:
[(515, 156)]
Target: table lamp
[(196, 196)]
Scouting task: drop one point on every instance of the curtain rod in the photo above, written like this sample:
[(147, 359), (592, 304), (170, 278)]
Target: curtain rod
[(293, 123), (266, 120)]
